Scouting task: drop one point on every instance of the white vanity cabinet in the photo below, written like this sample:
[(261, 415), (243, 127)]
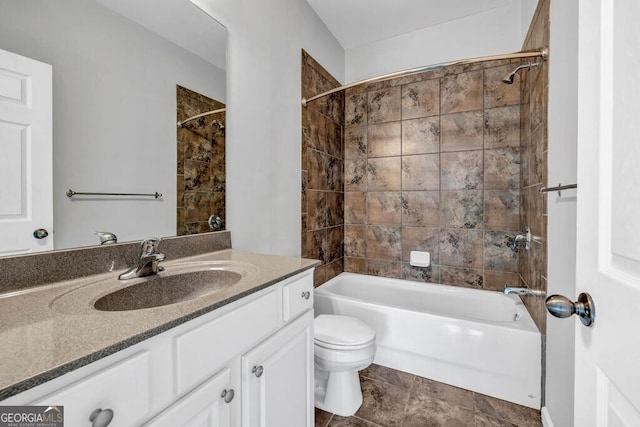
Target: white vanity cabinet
[(200, 372), (277, 378)]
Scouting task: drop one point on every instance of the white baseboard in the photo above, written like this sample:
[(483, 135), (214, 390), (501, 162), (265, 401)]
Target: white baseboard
[(546, 418)]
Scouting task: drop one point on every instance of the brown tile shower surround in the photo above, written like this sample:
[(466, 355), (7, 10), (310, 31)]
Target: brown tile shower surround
[(322, 172), (432, 163), (448, 161), (392, 399), (201, 181), (534, 149)]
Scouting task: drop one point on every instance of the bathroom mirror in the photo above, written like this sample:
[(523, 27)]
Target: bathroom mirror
[(117, 69)]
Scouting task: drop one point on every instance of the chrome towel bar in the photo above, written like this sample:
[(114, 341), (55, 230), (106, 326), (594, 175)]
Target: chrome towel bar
[(71, 193), (558, 188)]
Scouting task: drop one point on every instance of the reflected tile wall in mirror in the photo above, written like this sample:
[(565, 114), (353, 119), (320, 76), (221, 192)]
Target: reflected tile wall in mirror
[(201, 182)]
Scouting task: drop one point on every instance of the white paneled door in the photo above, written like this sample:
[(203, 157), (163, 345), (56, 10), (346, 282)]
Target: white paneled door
[(26, 206), (607, 391)]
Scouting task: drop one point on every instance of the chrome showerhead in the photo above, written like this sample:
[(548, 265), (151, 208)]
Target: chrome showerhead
[(511, 77)]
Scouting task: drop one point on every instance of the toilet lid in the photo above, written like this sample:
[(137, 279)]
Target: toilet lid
[(342, 330)]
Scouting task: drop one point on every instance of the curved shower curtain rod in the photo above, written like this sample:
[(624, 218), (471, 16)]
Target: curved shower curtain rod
[(221, 110), (543, 53)]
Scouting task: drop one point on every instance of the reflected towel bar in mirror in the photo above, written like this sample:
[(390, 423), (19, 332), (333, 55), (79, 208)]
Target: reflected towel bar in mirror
[(71, 193)]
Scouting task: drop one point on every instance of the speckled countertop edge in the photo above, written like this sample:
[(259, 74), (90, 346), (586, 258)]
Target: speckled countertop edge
[(57, 370)]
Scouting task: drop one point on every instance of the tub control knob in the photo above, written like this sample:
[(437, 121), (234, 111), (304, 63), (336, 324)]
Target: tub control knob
[(227, 395), (101, 417), (561, 306), (258, 371), (306, 295)]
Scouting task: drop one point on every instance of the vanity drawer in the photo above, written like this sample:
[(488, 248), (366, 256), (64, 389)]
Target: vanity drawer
[(203, 351), (124, 387), (297, 296)]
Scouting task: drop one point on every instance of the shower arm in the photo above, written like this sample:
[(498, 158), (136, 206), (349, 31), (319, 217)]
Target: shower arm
[(221, 110), (543, 53)]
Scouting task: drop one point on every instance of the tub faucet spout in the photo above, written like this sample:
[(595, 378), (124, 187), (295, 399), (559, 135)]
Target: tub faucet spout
[(519, 291)]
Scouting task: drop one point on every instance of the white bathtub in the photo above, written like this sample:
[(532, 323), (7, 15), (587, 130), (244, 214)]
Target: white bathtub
[(478, 340)]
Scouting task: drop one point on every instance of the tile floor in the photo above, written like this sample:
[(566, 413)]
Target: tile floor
[(396, 399)]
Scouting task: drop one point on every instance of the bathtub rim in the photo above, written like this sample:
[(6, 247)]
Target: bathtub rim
[(525, 323)]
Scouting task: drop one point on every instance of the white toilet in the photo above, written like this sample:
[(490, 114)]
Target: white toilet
[(342, 346)]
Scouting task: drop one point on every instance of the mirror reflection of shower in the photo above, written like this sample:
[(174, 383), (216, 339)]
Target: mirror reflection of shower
[(201, 183), (510, 78)]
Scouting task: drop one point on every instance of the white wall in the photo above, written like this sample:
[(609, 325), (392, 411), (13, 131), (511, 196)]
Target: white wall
[(492, 32), (264, 113), (561, 229), (527, 9), (114, 113)]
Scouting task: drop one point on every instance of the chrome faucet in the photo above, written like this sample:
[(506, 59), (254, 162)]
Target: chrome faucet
[(148, 260), (520, 291), (106, 238)]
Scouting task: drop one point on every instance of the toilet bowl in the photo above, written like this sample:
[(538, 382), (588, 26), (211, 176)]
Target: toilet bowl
[(342, 346)]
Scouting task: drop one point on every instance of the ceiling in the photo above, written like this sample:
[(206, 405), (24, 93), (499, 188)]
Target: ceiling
[(358, 22), (184, 26)]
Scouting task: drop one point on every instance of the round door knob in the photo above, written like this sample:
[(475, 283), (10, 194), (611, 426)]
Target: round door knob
[(258, 371), (40, 233), (227, 395), (306, 295), (561, 306), (101, 418)]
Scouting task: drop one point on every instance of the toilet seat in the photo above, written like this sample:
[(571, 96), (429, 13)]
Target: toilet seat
[(342, 332), (343, 347)]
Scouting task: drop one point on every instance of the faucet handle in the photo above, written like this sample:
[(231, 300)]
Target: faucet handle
[(106, 237), (149, 246)]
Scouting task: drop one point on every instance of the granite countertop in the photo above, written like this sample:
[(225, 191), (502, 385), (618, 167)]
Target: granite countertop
[(49, 330)]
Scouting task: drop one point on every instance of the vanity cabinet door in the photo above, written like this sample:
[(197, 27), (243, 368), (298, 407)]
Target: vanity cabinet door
[(209, 405), (277, 378), (121, 392)]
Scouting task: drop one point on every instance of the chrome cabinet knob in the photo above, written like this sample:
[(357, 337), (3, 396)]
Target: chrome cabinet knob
[(306, 295), (101, 418), (258, 371), (40, 233), (227, 395), (561, 306)]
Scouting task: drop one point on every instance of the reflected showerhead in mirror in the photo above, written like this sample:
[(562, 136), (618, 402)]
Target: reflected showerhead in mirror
[(511, 77)]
